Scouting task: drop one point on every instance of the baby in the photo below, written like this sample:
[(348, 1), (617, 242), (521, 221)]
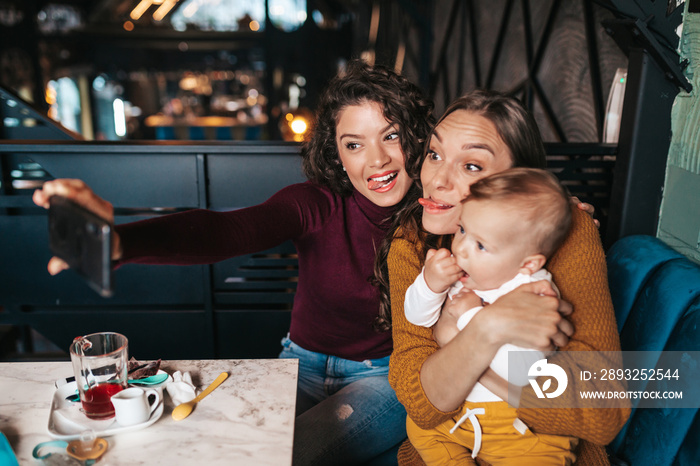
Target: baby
[(510, 224)]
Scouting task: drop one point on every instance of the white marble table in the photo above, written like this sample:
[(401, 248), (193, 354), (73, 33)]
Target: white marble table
[(248, 420)]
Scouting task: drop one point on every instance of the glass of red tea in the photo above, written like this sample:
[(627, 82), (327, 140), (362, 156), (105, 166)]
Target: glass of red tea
[(100, 369)]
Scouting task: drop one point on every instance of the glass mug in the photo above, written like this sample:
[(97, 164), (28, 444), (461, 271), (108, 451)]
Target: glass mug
[(100, 369)]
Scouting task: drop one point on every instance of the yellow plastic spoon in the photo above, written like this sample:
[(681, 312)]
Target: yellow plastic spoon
[(183, 410)]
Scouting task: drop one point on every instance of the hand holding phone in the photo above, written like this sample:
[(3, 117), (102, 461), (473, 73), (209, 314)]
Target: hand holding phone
[(83, 240)]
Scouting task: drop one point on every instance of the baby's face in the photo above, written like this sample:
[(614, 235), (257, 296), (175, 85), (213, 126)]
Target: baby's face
[(490, 245)]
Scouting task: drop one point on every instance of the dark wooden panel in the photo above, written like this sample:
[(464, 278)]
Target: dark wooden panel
[(272, 271), (166, 334), (250, 334), (152, 304), (132, 179), (247, 180)]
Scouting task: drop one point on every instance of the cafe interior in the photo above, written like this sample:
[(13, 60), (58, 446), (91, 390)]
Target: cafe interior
[(163, 106)]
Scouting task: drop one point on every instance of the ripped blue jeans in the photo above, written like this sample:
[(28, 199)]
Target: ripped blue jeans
[(347, 413)]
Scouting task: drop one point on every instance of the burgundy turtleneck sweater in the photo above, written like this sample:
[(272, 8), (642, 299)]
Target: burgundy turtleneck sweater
[(336, 239)]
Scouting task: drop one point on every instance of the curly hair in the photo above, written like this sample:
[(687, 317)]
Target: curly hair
[(403, 105), (518, 130)]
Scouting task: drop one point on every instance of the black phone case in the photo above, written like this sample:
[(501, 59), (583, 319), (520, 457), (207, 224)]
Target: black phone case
[(83, 240)]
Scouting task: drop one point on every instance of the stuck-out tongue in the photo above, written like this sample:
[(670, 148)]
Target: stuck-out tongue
[(372, 184), (428, 203)]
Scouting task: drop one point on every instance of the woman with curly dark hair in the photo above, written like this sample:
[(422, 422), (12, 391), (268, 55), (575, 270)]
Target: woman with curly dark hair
[(361, 162)]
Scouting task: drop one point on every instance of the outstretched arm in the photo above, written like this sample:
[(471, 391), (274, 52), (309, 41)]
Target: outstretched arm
[(199, 236)]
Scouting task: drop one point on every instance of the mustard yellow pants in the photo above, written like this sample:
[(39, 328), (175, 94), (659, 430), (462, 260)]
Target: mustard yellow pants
[(501, 442)]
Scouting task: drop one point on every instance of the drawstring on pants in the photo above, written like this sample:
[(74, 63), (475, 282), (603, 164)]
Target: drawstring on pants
[(471, 415)]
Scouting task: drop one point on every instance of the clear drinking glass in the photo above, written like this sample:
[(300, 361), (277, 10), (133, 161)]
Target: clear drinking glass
[(100, 368)]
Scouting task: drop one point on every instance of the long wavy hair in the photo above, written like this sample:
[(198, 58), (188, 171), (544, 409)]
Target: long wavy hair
[(403, 105), (518, 130)]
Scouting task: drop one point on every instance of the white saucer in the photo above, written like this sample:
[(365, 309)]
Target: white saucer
[(67, 421)]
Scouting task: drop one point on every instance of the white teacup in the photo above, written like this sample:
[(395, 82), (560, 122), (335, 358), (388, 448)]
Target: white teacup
[(131, 406)]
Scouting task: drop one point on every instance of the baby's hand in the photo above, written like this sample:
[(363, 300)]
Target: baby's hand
[(588, 208), (461, 303), (446, 327), (441, 270)]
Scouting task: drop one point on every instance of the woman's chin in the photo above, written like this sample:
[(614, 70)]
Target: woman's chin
[(443, 223)]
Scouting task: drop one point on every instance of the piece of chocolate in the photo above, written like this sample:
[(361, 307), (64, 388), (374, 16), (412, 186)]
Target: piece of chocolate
[(139, 370)]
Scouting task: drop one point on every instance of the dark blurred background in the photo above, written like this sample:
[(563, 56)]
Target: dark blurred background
[(244, 69)]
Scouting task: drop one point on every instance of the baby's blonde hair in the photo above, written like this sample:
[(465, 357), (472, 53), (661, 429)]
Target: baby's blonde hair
[(535, 193)]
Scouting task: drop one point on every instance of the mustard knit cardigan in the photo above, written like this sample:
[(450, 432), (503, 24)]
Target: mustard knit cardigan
[(579, 270)]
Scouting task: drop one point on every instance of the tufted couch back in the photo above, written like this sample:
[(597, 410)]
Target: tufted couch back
[(656, 294)]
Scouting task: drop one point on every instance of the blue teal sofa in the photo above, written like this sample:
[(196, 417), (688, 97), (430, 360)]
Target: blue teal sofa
[(656, 295)]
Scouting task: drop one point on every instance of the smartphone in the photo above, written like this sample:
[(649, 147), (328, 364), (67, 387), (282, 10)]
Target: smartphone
[(83, 240)]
